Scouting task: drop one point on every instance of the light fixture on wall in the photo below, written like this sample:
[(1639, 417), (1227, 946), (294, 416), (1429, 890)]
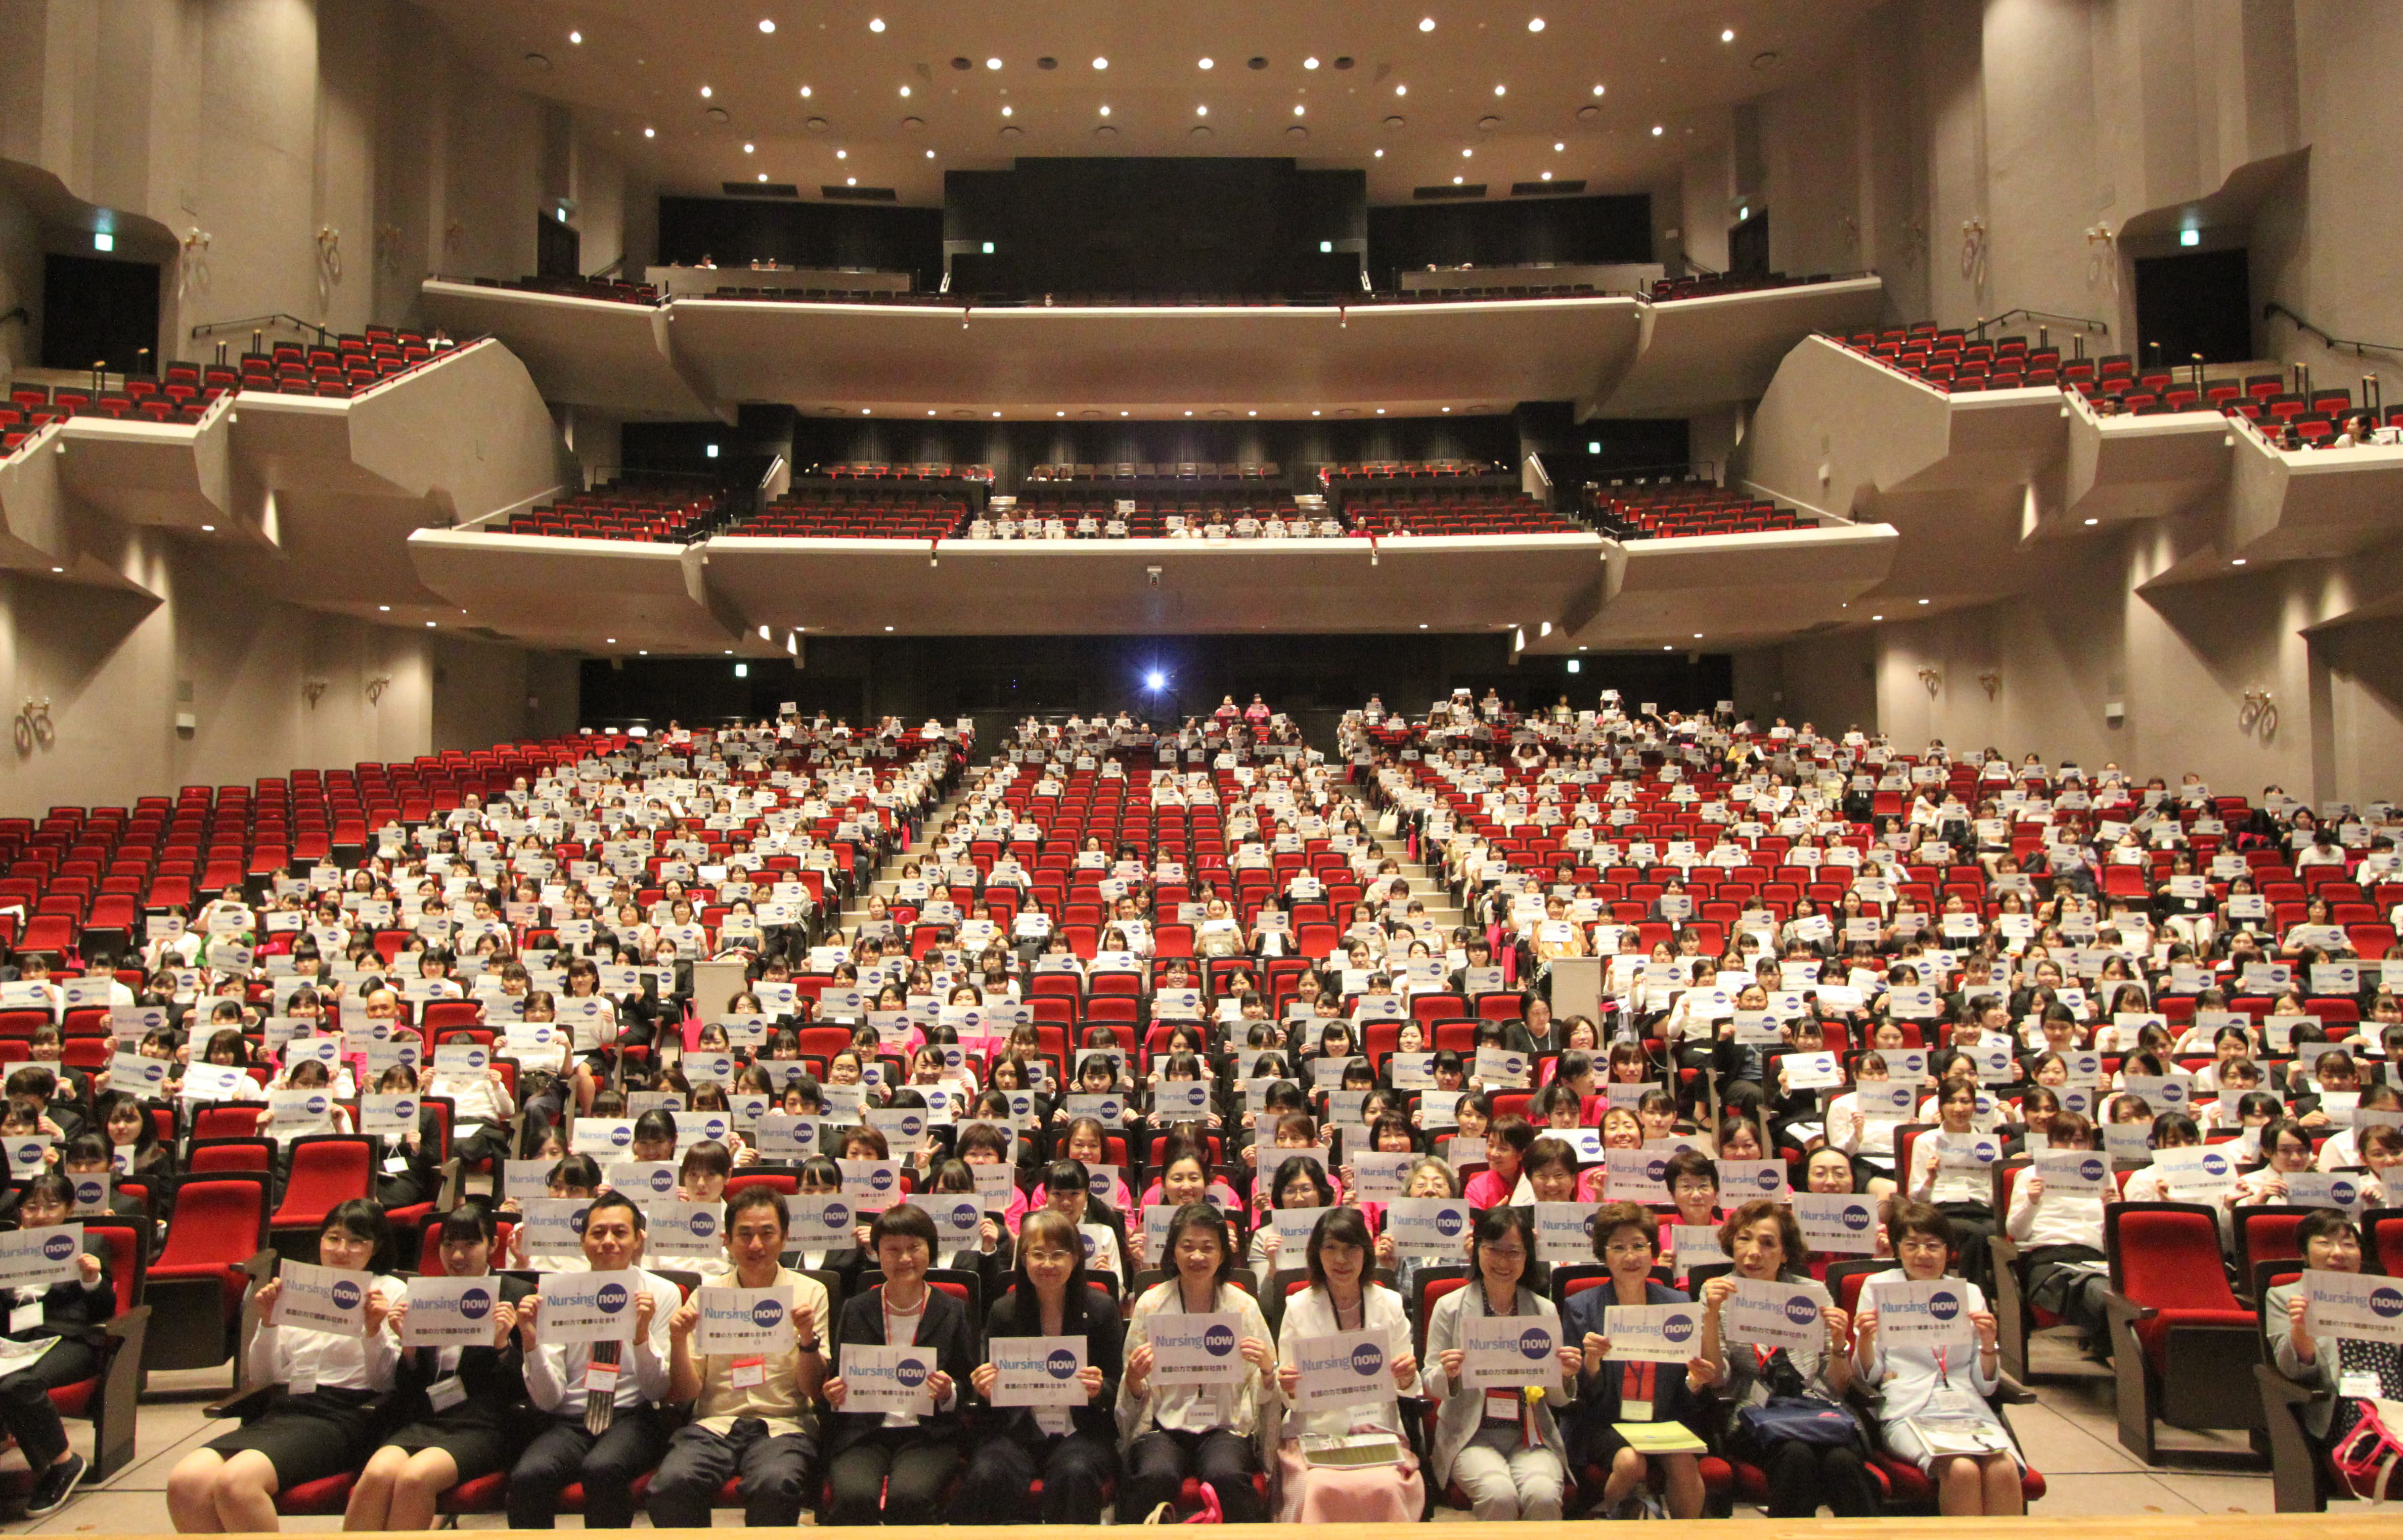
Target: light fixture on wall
[(1934, 680), (1973, 252), (34, 728), (311, 689), (329, 253), (192, 261), (376, 687), (1992, 681), (2257, 714), (2102, 256)]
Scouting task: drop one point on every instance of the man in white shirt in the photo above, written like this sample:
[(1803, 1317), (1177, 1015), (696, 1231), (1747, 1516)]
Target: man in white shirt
[(603, 1429)]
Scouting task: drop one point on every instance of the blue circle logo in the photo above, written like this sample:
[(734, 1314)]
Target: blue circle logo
[(317, 1105), (1062, 1365), (2215, 1163), (1944, 1305), (474, 1304), (1366, 1360), (1677, 1328), (1766, 1178), (1856, 1218), (1534, 1342), (879, 1180), (662, 1179), (836, 1216), (1799, 1310), (2385, 1303), (910, 1373), (622, 1135), (610, 1299), (1218, 1341), (347, 1295), (965, 1215), (1448, 1223), (767, 1314), (912, 1125), (2092, 1168), (704, 1225), (2343, 1193), (404, 1108)]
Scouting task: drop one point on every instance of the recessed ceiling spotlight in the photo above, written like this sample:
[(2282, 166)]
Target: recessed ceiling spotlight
[(888, 628), (1253, 413), (1877, 617), (1101, 63), (1727, 35), (1426, 23), (747, 148), (1534, 24), (576, 38), (1458, 181), (1381, 155), (1201, 112), (1188, 412), (1657, 131), (1598, 90), (651, 133), (930, 412), (805, 91), (1401, 91), (1122, 413), (766, 25), (1007, 111), (904, 90), (1447, 408), (1207, 63), (1059, 414), (385, 608), (1922, 601), (930, 155), (993, 64), (705, 93), (1465, 154), (1105, 109), (2091, 522), (1313, 411), (848, 181), (843, 155), (863, 411), (1547, 177), (876, 23), (996, 414), (1501, 91), (1559, 145), (1310, 63), (2237, 563), (1297, 109), (763, 177), (1381, 411)]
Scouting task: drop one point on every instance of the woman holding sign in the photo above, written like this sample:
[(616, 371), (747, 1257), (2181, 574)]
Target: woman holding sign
[(888, 1463), (1339, 1301), (2351, 1368), (1070, 1446), (1183, 1417), (1931, 1392), (1756, 1383), (1623, 1391), (324, 1385), (469, 1399), (48, 1344), (1495, 1437)]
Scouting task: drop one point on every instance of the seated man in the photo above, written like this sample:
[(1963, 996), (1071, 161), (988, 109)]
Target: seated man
[(603, 1428), (752, 1413)]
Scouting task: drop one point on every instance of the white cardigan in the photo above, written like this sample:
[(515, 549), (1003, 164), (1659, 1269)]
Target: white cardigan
[(1312, 1314)]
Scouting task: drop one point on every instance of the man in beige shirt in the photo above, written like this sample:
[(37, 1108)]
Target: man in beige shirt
[(751, 1412)]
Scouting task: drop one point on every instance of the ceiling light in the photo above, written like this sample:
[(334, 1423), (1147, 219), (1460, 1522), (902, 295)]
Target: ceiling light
[(386, 608), (763, 177), (1558, 146), (429, 625), (766, 25), (930, 412), (1877, 617), (1501, 91), (1465, 154), (576, 38), (888, 628), (1656, 130), (930, 155), (1423, 625), (1253, 413), (2091, 522), (1201, 112), (1534, 24), (747, 148), (704, 94), (2238, 562), (1447, 408), (991, 64), (1059, 414), (1381, 155), (1426, 23), (1105, 109), (1207, 61), (1922, 601), (863, 411), (805, 91), (1597, 90), (1458, 181), (1310, 63), (843, 155), (876, 23), (1007, 111), (1381, 411), (1666, 648), (996, 414), (1547, 177), (651, 133), (848, 181), (1101, 63), (1401, 91), (1188, 412), (1121, 412), (904, 90), (1727, 35), (610, 640), (1297, 109), (1313, 411)]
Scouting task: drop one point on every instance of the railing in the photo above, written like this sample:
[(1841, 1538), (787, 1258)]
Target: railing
[(2338, 343), (258, 324)]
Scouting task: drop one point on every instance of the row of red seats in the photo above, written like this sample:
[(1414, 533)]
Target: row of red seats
[(1514, 514), (624, 512)]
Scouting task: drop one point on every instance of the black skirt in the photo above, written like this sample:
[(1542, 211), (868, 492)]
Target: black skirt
[(308, 1437), (477, 1441)]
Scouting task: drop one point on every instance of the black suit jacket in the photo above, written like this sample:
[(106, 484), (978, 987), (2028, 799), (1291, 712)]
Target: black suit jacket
[(944, 1327), (1097, 1320)]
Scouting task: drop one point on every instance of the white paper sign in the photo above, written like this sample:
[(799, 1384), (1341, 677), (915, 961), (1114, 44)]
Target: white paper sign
[(1429, 1227), (2363, 1307), (1776, 1314), (450, 1313), (333, 1300), (587, 1307), (1037, 1371), (1507, 1352), (1197, 1350), (1344, 1368), (1932, 1314), (743, 1321), (1653, 1334)]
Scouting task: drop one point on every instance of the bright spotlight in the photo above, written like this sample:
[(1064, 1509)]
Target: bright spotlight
[(1155, 680)]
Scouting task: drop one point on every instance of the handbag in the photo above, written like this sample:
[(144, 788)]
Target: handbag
[(2366, 1457), (1799, 1420)]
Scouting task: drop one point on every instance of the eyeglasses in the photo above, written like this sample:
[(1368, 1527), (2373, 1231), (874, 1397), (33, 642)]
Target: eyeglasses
[(1627, 1248), (1503, 1254)]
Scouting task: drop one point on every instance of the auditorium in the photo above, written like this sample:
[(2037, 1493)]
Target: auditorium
[(1377, 762)]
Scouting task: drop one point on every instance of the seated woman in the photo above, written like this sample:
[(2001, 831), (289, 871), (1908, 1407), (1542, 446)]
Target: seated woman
[(1073, 1450), (1934, 1417), (2331, 1243), (1300, 1182), (1766, 1244), (321, 1417), (891, 1467), (1176, 1431), (1615, 1392), (1341, 1299), (48, 1344), (1503, 1448), (466, 1405)]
